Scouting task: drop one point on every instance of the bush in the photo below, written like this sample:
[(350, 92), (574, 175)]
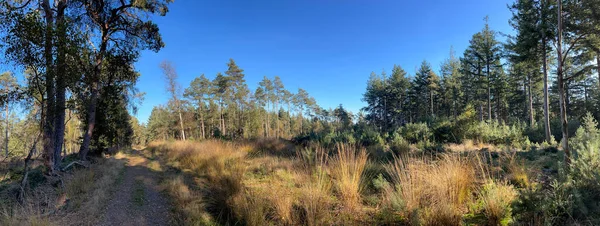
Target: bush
[(415, 132), (496, 200), (497, 133), (398, 145), (573, 198), (369, 137), (443, 132), (585, 170)]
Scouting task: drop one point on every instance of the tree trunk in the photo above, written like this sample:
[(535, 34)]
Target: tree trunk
[(202, 123), (480, 112), (59, 124), (7, 126), (530, 102), (95, 88), (181, 124), (546, 101), (48, 128), (430, 103), (598, 67), (561, 90), (268, 121), (489, 91)]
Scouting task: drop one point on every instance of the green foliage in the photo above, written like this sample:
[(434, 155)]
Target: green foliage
[(574, 197), (415, 132), (399, 145), (495, 132)]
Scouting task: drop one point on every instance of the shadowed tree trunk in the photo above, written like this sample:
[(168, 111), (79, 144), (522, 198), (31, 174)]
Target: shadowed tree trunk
[(530, 102), (561, 89), (93, 104), (59, 131), (546, 101), (48, 116)]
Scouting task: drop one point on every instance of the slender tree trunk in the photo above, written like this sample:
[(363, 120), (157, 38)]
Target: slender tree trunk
[(221, 119), (289, 121), (481, 112), (6, 118), (546, 101), (561, 90), (202, 122), (430, 103), (489, 91), (95, 88), (598, 67), (530, 102), (48, 128), (181, 124), (268, 121), (59, 131)]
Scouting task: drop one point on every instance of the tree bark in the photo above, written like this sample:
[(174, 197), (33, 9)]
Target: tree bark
[(48, 128), (181, 123), (430, 103), (547, 131), (95, 88), (202, 122), (598, 67), (530, 102), (59, 124), (489, 90), (561, 90), (7, 126), (546, 101)]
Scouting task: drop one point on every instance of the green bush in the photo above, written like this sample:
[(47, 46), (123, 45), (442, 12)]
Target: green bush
[(495, 132), (369, 137), (585, 170), (415, 132), (574, 198), (443, 131), (399, 145)]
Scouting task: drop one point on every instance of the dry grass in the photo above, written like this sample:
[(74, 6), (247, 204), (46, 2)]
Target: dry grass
[(228, 183), (348, 170), (89, 189), (190, 208), (468, 146), (432, 191), (79, 201)]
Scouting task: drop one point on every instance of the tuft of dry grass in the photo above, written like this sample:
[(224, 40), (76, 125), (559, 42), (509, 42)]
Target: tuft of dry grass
[(190, 209), (218, 170), (89, 189), (348, 169), (429, 191)]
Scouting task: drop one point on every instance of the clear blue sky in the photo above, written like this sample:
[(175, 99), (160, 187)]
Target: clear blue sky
[(327, 47)]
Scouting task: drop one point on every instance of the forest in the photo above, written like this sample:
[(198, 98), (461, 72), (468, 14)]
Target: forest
[(505, 133)]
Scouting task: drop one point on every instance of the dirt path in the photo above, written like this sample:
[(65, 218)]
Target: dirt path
[(137, 200)]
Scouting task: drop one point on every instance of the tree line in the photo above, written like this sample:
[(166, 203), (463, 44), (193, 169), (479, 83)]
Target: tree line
[(545, 71), (225, 107)]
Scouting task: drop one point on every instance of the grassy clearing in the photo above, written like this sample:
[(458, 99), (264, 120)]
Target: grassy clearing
[(219, 182)]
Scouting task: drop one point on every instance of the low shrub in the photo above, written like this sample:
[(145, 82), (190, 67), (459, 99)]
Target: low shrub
[(415, 132)]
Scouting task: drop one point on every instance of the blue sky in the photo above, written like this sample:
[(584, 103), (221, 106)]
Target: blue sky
[(327, 47)]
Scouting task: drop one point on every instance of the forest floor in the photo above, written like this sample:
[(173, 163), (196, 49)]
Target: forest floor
[(138, 199)]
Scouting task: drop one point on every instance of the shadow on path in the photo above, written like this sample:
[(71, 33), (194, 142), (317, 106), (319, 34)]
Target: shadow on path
[(137, 199)]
